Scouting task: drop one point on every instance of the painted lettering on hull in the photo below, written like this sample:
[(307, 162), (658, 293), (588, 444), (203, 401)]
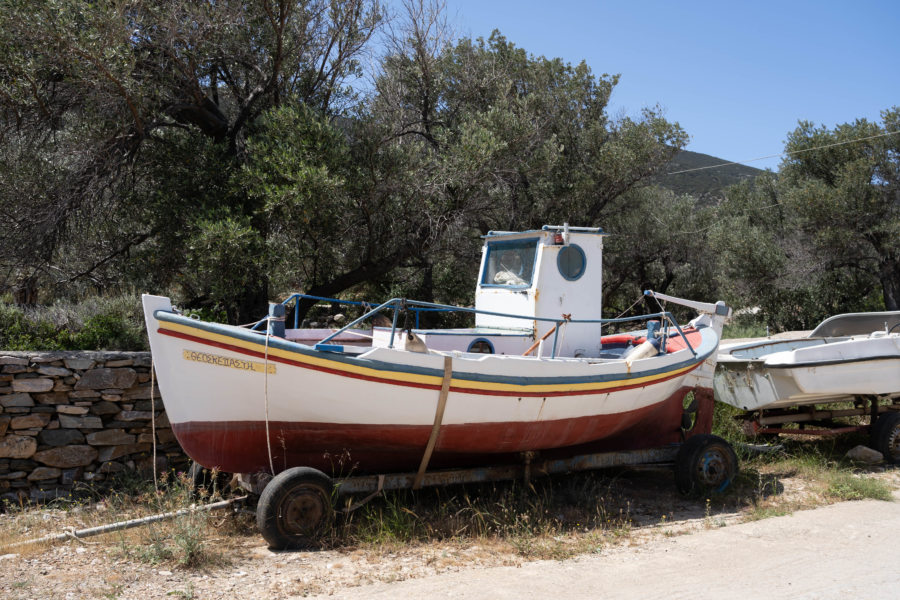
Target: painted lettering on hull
[(231, 363)]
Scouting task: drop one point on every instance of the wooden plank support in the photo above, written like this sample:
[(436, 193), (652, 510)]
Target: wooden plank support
[(438, 419)]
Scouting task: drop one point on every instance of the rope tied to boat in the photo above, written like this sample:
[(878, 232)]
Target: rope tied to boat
[(266, 390)]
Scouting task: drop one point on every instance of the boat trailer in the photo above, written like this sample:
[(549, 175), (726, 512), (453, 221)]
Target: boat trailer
[(297, 505)]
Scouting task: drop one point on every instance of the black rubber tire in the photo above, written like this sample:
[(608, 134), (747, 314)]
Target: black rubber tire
[(705, 464), (206, 482), (295, 508), (886, 436)]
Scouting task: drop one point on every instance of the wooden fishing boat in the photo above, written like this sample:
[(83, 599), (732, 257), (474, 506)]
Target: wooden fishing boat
[(246, 401)]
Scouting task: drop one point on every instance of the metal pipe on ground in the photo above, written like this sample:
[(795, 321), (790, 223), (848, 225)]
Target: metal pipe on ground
[(92, 531)]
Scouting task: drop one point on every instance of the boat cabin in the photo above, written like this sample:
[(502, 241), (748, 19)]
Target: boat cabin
[(553, 273)]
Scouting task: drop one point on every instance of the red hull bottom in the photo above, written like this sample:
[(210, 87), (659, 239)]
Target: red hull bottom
[(342, 449)]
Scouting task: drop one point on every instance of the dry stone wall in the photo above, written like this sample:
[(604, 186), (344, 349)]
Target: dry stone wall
[(71, 419)]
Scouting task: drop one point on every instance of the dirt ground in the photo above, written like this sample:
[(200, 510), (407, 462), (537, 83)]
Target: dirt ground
[(689, 545)]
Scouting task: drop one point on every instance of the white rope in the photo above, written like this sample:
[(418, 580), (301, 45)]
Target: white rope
[(153, 421), (266, 392)]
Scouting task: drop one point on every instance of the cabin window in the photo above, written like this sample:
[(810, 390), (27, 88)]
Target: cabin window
[(510, 263), (571, 262), (481, 346)]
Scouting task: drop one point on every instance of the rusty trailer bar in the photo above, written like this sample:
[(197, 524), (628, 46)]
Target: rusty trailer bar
[(664, 456)]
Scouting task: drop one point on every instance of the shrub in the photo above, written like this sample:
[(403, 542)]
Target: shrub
[(114, 323)]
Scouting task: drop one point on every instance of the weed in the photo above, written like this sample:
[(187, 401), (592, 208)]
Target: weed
[(844, 485)]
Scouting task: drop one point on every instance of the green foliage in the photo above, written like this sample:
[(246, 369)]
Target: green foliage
[(97, 324)]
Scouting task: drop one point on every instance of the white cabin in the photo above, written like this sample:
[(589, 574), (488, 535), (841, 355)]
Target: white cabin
[(555, 273)]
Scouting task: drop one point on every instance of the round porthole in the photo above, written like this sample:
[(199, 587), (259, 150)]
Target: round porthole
[(571, 262), (481, 346)]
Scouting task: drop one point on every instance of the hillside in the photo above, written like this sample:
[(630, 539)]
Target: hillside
[(708, 184)]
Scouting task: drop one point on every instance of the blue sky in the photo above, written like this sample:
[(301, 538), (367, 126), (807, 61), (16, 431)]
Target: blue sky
[(738, 76)]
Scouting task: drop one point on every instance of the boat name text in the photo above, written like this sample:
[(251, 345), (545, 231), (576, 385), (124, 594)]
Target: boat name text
[(224, 361)]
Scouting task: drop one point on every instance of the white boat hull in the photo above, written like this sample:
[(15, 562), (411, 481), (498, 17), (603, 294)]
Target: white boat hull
[(241, 401)]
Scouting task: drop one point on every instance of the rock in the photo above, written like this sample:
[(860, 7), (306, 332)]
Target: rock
[(16, 400), (72, 410), (44, 473), (14, 475), (66, 457), (17, 446), (106, 378), (113, 452), (105, 408), (34, 420), (109, 437), (13, 360), (13, 369), (124, 362), (54, 371), (73, 422), (60, 437), (52, 398), (79, 364), (142, 393), (134, 415), (35, 385), (112, 467), (70, 476), (83, 394), (4, 425), (865, 455)]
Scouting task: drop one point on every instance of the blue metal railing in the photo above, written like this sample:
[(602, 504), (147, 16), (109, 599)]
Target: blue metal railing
[(399, 304)]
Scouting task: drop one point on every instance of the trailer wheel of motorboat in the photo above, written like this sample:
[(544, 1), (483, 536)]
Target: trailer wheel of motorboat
[(704, 464), (207, 481), (294, 508), (886, 436)]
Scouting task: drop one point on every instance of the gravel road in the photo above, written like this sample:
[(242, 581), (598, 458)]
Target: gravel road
[(845, 550)]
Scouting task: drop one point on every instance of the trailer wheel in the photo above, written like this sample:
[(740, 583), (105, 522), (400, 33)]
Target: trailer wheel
[(704, 464), (886, 436), (207, 482), (295, 508)]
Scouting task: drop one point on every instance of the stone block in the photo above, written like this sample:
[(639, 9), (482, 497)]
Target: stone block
[(111, 397), (66, 457), (134, 415), (14, 475), (109, 437), (13, 369), (59, 386), (60, 437), (70, 476), (18, 446), (4, 424), (85, 422), (44, 473), (142, 393), (106, 378), (122, 362), (113, 452), (34, 420), (32, 386), (166, 436), (162, 420), (79, 364), (13, 360), (67, 409), (105, 408), (16, 400), (78, 394), (54, 371), (112, 467), (52, 398)]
